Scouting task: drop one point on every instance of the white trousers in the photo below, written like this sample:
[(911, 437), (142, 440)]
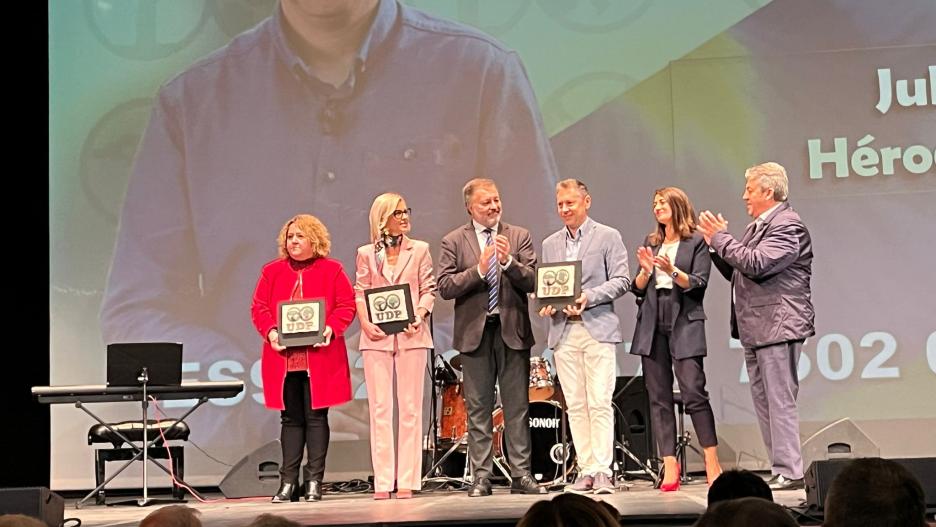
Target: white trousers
[(586, 371)]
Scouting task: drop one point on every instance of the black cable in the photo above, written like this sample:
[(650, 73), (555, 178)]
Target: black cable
[(804, 513), (450, 486), (354, 486), (159, 410), (209, 456)]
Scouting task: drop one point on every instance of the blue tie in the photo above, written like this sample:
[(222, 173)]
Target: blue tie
[(491, 276)]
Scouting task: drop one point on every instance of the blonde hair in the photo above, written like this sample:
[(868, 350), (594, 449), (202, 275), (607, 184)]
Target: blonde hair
[(380, 212), (313, 229), (770, 175)]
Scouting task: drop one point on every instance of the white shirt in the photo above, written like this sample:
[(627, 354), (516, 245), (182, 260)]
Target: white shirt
[(664, 280), (482, 242)]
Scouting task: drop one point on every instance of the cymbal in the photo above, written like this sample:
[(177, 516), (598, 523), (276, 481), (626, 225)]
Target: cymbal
[(456, 362)]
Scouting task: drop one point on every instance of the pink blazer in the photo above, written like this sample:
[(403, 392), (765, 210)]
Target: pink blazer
[(414, 266)]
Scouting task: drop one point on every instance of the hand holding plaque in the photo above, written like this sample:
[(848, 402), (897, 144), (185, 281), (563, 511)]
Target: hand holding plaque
[(390, 308), (301, 322), (558, 284)]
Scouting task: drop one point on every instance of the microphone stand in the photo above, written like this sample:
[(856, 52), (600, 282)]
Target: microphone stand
[(144, 379)]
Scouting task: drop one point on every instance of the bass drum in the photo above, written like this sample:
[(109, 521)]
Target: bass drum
[(545, 442)]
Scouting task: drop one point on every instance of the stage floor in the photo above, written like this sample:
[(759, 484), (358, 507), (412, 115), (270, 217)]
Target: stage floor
[(640, 504)]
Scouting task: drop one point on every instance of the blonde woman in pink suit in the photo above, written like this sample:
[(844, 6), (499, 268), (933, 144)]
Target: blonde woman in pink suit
[(392, 258)]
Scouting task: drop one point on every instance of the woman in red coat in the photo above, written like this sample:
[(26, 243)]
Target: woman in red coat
[(303, 382)]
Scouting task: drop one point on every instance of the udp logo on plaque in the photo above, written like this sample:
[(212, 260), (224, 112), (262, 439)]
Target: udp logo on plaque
[(390, 307), (558, 284), (301, 322)]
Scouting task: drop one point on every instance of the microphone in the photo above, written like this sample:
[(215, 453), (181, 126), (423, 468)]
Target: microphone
[(444, 373)]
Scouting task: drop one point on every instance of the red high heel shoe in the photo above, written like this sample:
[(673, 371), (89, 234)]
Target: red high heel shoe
[(674, 486)]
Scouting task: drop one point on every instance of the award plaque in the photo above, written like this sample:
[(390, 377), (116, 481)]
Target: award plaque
[(390, 307), (301, 322), (558, 284)]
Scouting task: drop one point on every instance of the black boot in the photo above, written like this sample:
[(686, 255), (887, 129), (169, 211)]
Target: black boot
[(286, 492), (312, 490)]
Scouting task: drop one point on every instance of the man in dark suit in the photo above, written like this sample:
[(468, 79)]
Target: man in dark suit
[(772, 312), (487, 266)]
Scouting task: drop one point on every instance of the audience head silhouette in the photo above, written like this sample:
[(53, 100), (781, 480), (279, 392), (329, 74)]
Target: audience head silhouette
[(570, 510), (172, 516), (733, 484), (875, 492), (744, 512)]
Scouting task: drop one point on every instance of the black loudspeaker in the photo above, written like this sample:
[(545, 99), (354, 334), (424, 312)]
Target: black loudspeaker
[(632, 420), (820, 474), (38, 502), (256, 474)]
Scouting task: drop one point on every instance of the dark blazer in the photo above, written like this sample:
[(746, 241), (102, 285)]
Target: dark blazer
[(769, 275), (688, 336), (459, 279)]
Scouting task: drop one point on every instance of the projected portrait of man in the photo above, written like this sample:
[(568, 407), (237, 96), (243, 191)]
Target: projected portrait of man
[(319, 107)]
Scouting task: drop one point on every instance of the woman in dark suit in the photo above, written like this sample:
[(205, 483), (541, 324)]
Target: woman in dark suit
[(670, 331)]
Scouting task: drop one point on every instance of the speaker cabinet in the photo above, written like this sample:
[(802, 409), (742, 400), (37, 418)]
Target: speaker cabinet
[(842, 439), (37, 502), (256, 474), (820, 474), (632, 421)]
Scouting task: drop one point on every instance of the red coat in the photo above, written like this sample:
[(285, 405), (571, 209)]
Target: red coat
[(329, 375)]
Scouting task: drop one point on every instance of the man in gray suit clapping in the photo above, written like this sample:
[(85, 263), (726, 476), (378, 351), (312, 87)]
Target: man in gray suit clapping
[(772, 312), (486, 266)]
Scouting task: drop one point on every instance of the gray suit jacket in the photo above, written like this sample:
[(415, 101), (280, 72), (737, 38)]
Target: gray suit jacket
[(605, 277), (459, 279), (770, 277), (688, 336)]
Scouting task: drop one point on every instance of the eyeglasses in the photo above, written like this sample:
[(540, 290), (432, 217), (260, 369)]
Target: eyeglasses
[(399, 213)]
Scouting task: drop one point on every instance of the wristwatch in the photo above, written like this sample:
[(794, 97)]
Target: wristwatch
[(675, 273)]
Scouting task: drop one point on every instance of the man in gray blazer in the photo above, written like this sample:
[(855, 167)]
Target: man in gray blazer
[(583, 336), (772, 312), (487, 266)]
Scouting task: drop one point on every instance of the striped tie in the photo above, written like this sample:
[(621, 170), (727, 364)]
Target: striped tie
[(491, 276)]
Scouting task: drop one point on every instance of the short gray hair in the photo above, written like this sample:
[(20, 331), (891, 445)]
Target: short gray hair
[(770, 175), (470, 187), (573, 183)]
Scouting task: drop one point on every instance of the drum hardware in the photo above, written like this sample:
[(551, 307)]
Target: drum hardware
[(552, 456), (683, 437), (444, 378), (453, 424)]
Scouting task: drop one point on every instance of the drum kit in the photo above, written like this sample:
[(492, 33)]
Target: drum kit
[(552, 459), (549, 433)]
